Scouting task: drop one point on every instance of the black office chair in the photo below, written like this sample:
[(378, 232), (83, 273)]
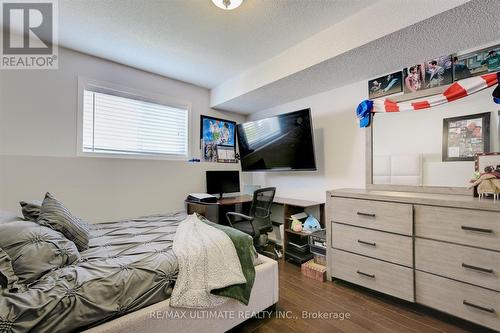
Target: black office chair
[(258, 222)]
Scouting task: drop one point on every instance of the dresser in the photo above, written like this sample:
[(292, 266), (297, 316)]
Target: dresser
[(438, 250)]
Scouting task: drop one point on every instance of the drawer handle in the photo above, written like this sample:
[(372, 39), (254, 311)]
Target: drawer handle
[(365, 214), (489, 231), (490, 310), (367, 243), (366, 274), (486, 270)]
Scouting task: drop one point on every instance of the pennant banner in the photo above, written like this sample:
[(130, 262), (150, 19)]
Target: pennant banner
[(456, 91)]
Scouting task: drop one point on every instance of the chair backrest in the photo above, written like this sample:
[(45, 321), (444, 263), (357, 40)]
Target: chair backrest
[(261, 205)]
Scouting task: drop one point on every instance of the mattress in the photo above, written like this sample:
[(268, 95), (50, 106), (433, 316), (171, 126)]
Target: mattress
[(154, 318), (129, 265)]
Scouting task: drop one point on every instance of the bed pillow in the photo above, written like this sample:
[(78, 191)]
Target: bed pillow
[(55, 215), (31, 209), (7, 275), (8, 217), (35, 249)]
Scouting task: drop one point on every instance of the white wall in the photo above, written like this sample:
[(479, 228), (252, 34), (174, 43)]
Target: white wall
[(38, 110), (339, 144)]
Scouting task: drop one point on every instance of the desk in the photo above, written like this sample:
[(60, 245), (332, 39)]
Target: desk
[(281, 211), (216, 212)]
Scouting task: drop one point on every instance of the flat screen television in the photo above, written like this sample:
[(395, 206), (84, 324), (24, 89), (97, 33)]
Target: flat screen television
[(280, 143)]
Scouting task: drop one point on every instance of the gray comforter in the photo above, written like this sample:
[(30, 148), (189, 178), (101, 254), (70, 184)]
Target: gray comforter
[(129, 265)]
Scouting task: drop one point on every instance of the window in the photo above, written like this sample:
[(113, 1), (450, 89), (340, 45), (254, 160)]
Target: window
[(116, 123)]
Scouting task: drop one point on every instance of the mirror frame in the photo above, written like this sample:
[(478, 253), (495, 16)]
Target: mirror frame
[(399, 188)]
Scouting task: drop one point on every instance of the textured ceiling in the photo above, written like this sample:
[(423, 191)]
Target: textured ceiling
[(192, 40), (464, 27)]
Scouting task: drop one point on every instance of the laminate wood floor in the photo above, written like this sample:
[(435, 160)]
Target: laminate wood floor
[(369, 311)]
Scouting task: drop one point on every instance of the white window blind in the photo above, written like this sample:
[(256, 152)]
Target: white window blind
[(119, 125)]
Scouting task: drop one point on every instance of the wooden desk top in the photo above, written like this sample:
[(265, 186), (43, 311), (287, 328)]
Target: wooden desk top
[(277, 200), (296, 202), (241, 199), (234, 200)]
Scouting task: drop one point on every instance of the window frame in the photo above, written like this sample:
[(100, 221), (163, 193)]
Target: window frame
[(121, 91)]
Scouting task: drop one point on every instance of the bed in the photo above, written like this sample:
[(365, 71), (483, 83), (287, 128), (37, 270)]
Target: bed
[(154, 318), (122, 283)]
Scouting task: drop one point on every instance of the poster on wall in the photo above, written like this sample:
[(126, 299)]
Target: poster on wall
[(226, 154), (433, 73), (483, 61), (385, 85), (215, 132), (466, 136)]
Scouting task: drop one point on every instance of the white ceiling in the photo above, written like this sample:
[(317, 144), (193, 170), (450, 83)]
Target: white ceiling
[(192, 40)]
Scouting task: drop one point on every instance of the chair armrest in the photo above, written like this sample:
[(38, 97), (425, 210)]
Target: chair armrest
[(231, 216)]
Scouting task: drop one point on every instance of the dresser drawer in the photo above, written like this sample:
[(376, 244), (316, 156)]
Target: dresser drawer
[(377, 244), (380, 215), (476, 266), (476, 304), (462, 226), (387, 278)]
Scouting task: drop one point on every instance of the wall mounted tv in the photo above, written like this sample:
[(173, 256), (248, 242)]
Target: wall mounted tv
[(280, 143)]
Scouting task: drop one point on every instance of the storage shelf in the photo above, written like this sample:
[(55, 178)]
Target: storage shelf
[(297, 256), (300, 233)]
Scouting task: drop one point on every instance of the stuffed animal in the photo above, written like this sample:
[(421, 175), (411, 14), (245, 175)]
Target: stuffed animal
[(487, 183), (296, 225), (311, 224)]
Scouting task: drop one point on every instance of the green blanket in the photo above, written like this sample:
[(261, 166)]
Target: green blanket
[(247, 254)]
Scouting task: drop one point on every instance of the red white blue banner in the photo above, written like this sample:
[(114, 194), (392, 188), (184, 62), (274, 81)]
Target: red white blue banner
[(457, 90)]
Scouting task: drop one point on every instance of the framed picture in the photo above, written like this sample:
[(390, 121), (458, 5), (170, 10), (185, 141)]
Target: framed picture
[(226, 154), (214, 132), (430, 74), (466, 136), (483, 61), (385, 85), (414, 78), (487, 160)]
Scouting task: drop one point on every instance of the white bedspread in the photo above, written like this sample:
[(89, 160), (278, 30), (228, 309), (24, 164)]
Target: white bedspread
[(207, 261)]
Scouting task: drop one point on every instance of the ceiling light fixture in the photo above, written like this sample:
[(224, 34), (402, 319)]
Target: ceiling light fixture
[(227, 4)]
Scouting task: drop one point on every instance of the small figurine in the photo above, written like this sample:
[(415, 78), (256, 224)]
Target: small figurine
[(487, 183), (311, 224), (296, 225)]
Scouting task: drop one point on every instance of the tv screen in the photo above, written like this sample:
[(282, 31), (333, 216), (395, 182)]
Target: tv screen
[(280, 143)]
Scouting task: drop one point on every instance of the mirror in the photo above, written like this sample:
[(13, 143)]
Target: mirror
[(420, 148)]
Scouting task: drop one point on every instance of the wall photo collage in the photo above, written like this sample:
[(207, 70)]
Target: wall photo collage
[(437, 72)]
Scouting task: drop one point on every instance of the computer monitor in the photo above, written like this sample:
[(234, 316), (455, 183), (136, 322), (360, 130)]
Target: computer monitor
[(220, 182)]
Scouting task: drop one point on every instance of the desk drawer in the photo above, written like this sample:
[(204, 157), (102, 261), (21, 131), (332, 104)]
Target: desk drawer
[(377, 244), (379, 215), (388, 278), (481, 306), (463, 263), (462, 226)]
